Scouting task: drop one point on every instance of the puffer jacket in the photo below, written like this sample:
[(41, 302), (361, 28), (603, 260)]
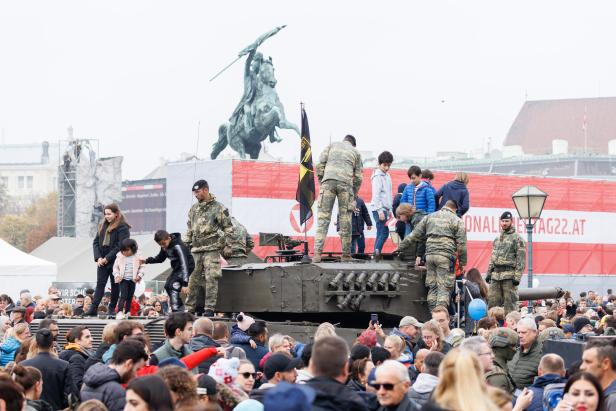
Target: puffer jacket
[(103, 383), (523, 366), (8, 349), (421, 195), (238, 336), (422, 389)]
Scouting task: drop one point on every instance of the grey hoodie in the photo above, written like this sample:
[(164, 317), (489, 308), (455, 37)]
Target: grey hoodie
[(381, 191), (103, 383), (421, 391)]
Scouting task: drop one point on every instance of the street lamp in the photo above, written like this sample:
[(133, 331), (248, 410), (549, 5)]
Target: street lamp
[(529, 202)]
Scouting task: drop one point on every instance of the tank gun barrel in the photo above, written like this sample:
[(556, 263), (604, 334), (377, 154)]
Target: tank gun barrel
[(539, 293), (359, 281), (371, 283), (393, 282), (383, 281), (348, 281), (335, 282)]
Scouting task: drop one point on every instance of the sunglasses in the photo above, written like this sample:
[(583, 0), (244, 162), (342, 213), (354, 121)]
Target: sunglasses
[(387, 386), (249, 374)]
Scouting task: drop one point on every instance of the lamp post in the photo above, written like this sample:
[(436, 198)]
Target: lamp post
[(529, 202)]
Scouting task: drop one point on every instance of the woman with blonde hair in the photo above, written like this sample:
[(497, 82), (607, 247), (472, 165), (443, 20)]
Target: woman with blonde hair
[(67, 309), (461, 385), (16, 336), (432, 336), (324, 330)]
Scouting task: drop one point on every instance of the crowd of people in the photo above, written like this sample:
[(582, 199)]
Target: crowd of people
[(205, 364)]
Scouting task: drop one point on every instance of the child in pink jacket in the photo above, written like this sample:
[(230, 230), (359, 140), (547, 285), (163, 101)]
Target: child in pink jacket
[(127, 271)]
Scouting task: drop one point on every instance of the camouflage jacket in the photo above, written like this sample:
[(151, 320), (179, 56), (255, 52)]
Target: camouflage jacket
[(508, 256), (444, 234), (341, 161), (209, 226), (241, 241), (499, 377)]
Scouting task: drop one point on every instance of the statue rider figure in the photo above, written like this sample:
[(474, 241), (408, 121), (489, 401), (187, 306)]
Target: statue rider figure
[(251, 74)]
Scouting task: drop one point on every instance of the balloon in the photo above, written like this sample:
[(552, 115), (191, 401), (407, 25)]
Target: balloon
[(477, 309), (140, 288)]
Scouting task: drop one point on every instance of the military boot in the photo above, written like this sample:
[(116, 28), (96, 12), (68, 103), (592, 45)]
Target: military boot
[(316, 258), (346, 258)]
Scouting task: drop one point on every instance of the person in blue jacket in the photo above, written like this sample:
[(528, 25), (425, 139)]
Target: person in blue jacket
[(457, 191)]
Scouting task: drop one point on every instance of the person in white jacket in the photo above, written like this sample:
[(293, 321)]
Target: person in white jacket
[(381, 203)]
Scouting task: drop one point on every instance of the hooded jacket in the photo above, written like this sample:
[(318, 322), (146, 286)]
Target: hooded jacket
[(332, 395), (381, 191), (420, 392), (200, 341), (179, 258), (456, 191), (422, 196), (76, 358), (103, 383), (538, 387)]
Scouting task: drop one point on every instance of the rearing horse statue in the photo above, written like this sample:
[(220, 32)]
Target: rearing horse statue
[(259, 112)]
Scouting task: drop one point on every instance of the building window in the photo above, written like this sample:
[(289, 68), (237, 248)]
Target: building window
[(21, 182), (30, 181)]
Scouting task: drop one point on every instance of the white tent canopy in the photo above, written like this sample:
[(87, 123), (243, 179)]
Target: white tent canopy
[(19, 270)]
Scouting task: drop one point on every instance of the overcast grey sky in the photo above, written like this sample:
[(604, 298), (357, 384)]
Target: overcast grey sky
[(411, 77)]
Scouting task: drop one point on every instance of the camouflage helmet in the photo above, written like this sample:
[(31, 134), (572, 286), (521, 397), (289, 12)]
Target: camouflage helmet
[(554, 333), (503, 337)]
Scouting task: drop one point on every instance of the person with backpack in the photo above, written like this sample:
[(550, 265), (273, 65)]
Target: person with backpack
[(548, 386), (182, 264)]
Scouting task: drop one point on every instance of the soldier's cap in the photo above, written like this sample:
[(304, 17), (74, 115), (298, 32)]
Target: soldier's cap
[(199, 184), (506, 216), (503, 337), (408, 320)]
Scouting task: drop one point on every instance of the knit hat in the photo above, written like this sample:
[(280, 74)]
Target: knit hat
[(367, 338), (171, 361), (224, 371), (359, 351), (287, 397), (244, 321), (580, 323), (503, 337)]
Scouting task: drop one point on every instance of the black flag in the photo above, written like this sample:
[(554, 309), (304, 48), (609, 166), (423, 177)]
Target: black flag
[(305, 186)]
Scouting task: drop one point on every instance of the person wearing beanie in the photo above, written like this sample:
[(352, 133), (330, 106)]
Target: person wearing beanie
[(224, 372), (506, 266), (239, 331), (582, 327), (56, 379)]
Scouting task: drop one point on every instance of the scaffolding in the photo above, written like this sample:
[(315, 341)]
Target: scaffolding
[(70, 153)]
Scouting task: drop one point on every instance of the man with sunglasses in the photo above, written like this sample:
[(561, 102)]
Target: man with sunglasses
[(392, 384)]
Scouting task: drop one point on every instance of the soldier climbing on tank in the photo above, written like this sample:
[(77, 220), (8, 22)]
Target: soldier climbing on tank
[(340, 173), (241, 244), (506, 266), (208, 236), (445, 238)]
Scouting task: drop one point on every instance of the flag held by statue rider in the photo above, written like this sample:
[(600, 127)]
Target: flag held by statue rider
[(305, 187)]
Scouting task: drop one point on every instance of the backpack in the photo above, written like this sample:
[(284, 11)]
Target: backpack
[(552, 394)]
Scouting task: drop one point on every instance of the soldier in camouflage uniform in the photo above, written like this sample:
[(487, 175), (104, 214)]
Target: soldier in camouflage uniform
[(340, 173), (503, 342), (241, 244), (208, 235), (506, 266), (445, 238)]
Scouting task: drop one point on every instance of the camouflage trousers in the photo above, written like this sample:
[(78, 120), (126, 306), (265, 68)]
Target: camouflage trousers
[(204, 281), (503, 294), (330, 190), (440, 279)]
